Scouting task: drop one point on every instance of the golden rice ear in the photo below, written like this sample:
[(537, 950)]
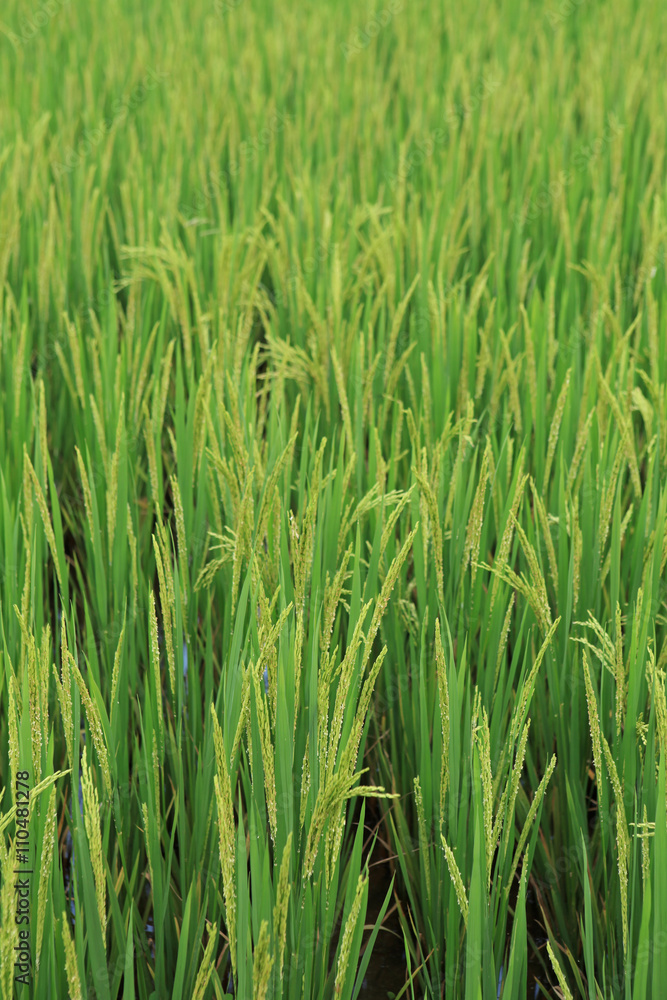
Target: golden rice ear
[(622, 840), (282, 899), (71, 967), (594, 723), (268, 754), (342, 968), (95, 725), (647, 830), (576, 555), (532, 812), (508, 532), (555, 428), (506, 806), (45, 870), (112, 490), (226, 830), (161, 563), (475, 521), (263, 961), (207, 964), (456, 879), (91, 817), (155, 658), (567, 995), (538, 590), (423, 840), (432, 527), (483, 737), (443, 698), (116, 667), (545, 531)]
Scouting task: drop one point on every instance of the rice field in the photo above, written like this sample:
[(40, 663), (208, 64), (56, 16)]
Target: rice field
[(333, 499)]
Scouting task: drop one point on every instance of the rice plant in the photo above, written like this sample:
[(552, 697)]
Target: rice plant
[(333, 357)]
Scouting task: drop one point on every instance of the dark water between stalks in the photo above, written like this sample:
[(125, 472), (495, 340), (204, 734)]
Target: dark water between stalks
[(388, 970)]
